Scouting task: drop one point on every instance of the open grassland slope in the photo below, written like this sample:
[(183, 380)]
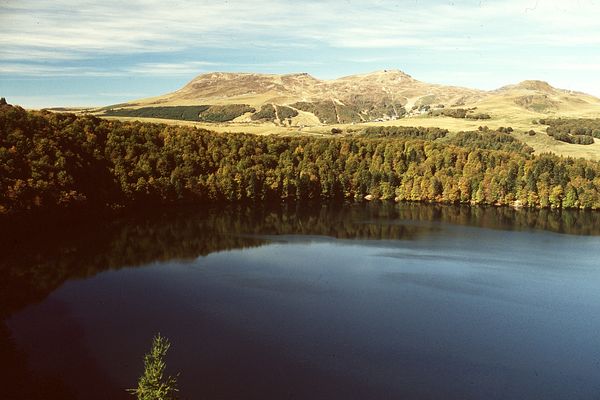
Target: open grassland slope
[(302, 104)]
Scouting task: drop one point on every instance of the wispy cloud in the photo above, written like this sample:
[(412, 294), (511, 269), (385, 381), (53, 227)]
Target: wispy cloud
[(162, 38), (25, 69), (89, 28), (169, 69), (74, 29), (195, 67)]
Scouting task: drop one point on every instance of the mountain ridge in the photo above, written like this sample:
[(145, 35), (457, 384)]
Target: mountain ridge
[(300, 99), (218, 87)]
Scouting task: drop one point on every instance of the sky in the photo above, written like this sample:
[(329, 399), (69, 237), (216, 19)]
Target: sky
[(89, 53)]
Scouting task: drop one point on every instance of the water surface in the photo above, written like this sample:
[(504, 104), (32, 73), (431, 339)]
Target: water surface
[(330, 302)]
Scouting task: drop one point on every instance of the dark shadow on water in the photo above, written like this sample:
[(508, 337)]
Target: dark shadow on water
[(68, 357), (37, 257)]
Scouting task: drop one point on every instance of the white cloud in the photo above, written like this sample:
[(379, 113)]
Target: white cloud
[(74, 29), (25, 69), (116, 27), (145, 69), (116, 38), (195, 67), (170, 69)]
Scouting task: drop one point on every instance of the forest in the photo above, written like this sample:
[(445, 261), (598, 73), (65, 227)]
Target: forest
[(183, 113), (206, 113), (53, 160), (458, 113), (573, 130)]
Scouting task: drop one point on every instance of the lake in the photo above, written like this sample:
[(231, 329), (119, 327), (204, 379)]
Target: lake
[(369, 301)]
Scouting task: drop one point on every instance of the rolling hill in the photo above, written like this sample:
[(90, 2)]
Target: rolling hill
[(388, 94), (291, 103)]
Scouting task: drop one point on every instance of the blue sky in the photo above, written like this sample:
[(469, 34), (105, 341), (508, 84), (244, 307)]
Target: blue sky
[(67, 53)]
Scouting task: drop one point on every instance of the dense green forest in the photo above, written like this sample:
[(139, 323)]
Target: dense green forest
[(204, 113), (459, 113), (405, 132), (491, 140), (62, 160), (184, 113), (328, 112), (573, 130)]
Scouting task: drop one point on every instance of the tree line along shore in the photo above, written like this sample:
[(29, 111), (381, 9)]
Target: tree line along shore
[(57, 160)]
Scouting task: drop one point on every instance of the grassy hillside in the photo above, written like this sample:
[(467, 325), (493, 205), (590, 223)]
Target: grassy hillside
[(299, 104)]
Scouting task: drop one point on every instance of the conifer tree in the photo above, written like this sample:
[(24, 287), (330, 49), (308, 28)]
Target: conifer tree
[(153, 384)]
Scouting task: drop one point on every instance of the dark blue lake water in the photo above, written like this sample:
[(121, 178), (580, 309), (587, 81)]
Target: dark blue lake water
[(352, 302)]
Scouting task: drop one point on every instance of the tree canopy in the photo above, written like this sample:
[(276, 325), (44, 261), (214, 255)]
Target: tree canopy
[(62, 160)]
